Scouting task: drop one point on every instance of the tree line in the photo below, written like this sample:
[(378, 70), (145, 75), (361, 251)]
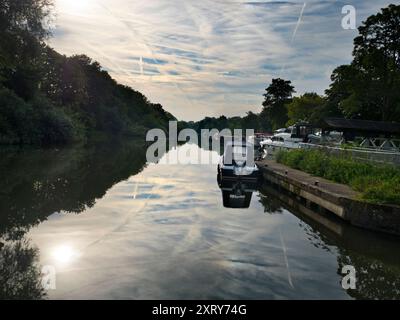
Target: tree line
[(48, 98), (368, 88)]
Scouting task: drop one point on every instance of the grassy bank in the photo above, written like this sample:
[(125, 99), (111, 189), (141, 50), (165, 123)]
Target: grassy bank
[(376, 183)]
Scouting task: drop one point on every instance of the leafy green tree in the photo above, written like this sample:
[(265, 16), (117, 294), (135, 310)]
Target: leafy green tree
[(377, 55), (278, 94), (304, 108), (25, 17), (23, 27), (251, 121), (235, 123), (368, 87)]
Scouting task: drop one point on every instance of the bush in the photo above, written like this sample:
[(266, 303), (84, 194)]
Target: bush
[(55, 128), (376, 183), (37, 122)]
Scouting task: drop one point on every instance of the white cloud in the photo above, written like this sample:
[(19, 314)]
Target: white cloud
[(209, 57)]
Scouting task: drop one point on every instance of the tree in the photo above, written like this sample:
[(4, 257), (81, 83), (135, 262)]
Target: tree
[(377, 53), (23, 27), (48, 98), (25, 16), (278, 94), (251, 121), (368, 87), (346, 94), (304, 108)]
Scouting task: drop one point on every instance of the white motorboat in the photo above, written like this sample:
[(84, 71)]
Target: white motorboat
[(280, 141), (237, 163), (287, 139)]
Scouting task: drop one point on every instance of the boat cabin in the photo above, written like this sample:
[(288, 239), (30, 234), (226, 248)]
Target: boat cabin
[(301, 131)]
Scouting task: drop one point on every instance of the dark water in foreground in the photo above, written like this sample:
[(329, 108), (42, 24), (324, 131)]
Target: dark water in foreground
[(114, 227)]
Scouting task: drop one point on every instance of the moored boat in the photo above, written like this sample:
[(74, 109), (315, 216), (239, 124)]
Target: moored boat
[(237, 163), (287, 138)]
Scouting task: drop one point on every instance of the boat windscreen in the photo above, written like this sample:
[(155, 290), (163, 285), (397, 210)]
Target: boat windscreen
[(239, 152)]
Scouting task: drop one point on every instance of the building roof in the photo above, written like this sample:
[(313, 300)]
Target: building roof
[(341, 124)]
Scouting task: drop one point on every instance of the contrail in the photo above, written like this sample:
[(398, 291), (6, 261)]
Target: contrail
[(141, 66), (135, 192), (144, 44), (295, 31), (299, 21), (286, 259)]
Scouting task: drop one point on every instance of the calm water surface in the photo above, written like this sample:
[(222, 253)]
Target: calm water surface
[(115, 227)]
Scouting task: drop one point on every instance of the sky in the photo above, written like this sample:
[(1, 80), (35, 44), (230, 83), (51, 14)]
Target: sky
[(210, 57)]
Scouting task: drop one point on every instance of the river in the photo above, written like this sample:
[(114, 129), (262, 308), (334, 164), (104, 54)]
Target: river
[(114, 227)]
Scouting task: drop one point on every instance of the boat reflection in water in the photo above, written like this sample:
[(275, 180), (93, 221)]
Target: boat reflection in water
[(236, 193), (237, 176)]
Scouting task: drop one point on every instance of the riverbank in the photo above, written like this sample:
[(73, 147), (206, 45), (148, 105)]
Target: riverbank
[(338, 199), (377, 184)]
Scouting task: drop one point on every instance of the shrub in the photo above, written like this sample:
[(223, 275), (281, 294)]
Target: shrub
[(376, 183), (36, 122)]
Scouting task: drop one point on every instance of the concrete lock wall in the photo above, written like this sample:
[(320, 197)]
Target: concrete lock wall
[(335, 198)]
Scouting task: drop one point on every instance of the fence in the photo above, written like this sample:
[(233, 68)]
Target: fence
[(380, 156)]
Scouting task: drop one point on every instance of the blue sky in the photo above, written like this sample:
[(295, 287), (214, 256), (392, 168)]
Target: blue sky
[(208, 58)]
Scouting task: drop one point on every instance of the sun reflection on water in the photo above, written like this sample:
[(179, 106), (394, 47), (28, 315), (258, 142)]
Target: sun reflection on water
[(64, 254)]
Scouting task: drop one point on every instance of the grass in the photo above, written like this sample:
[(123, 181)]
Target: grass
[(378, 184)]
